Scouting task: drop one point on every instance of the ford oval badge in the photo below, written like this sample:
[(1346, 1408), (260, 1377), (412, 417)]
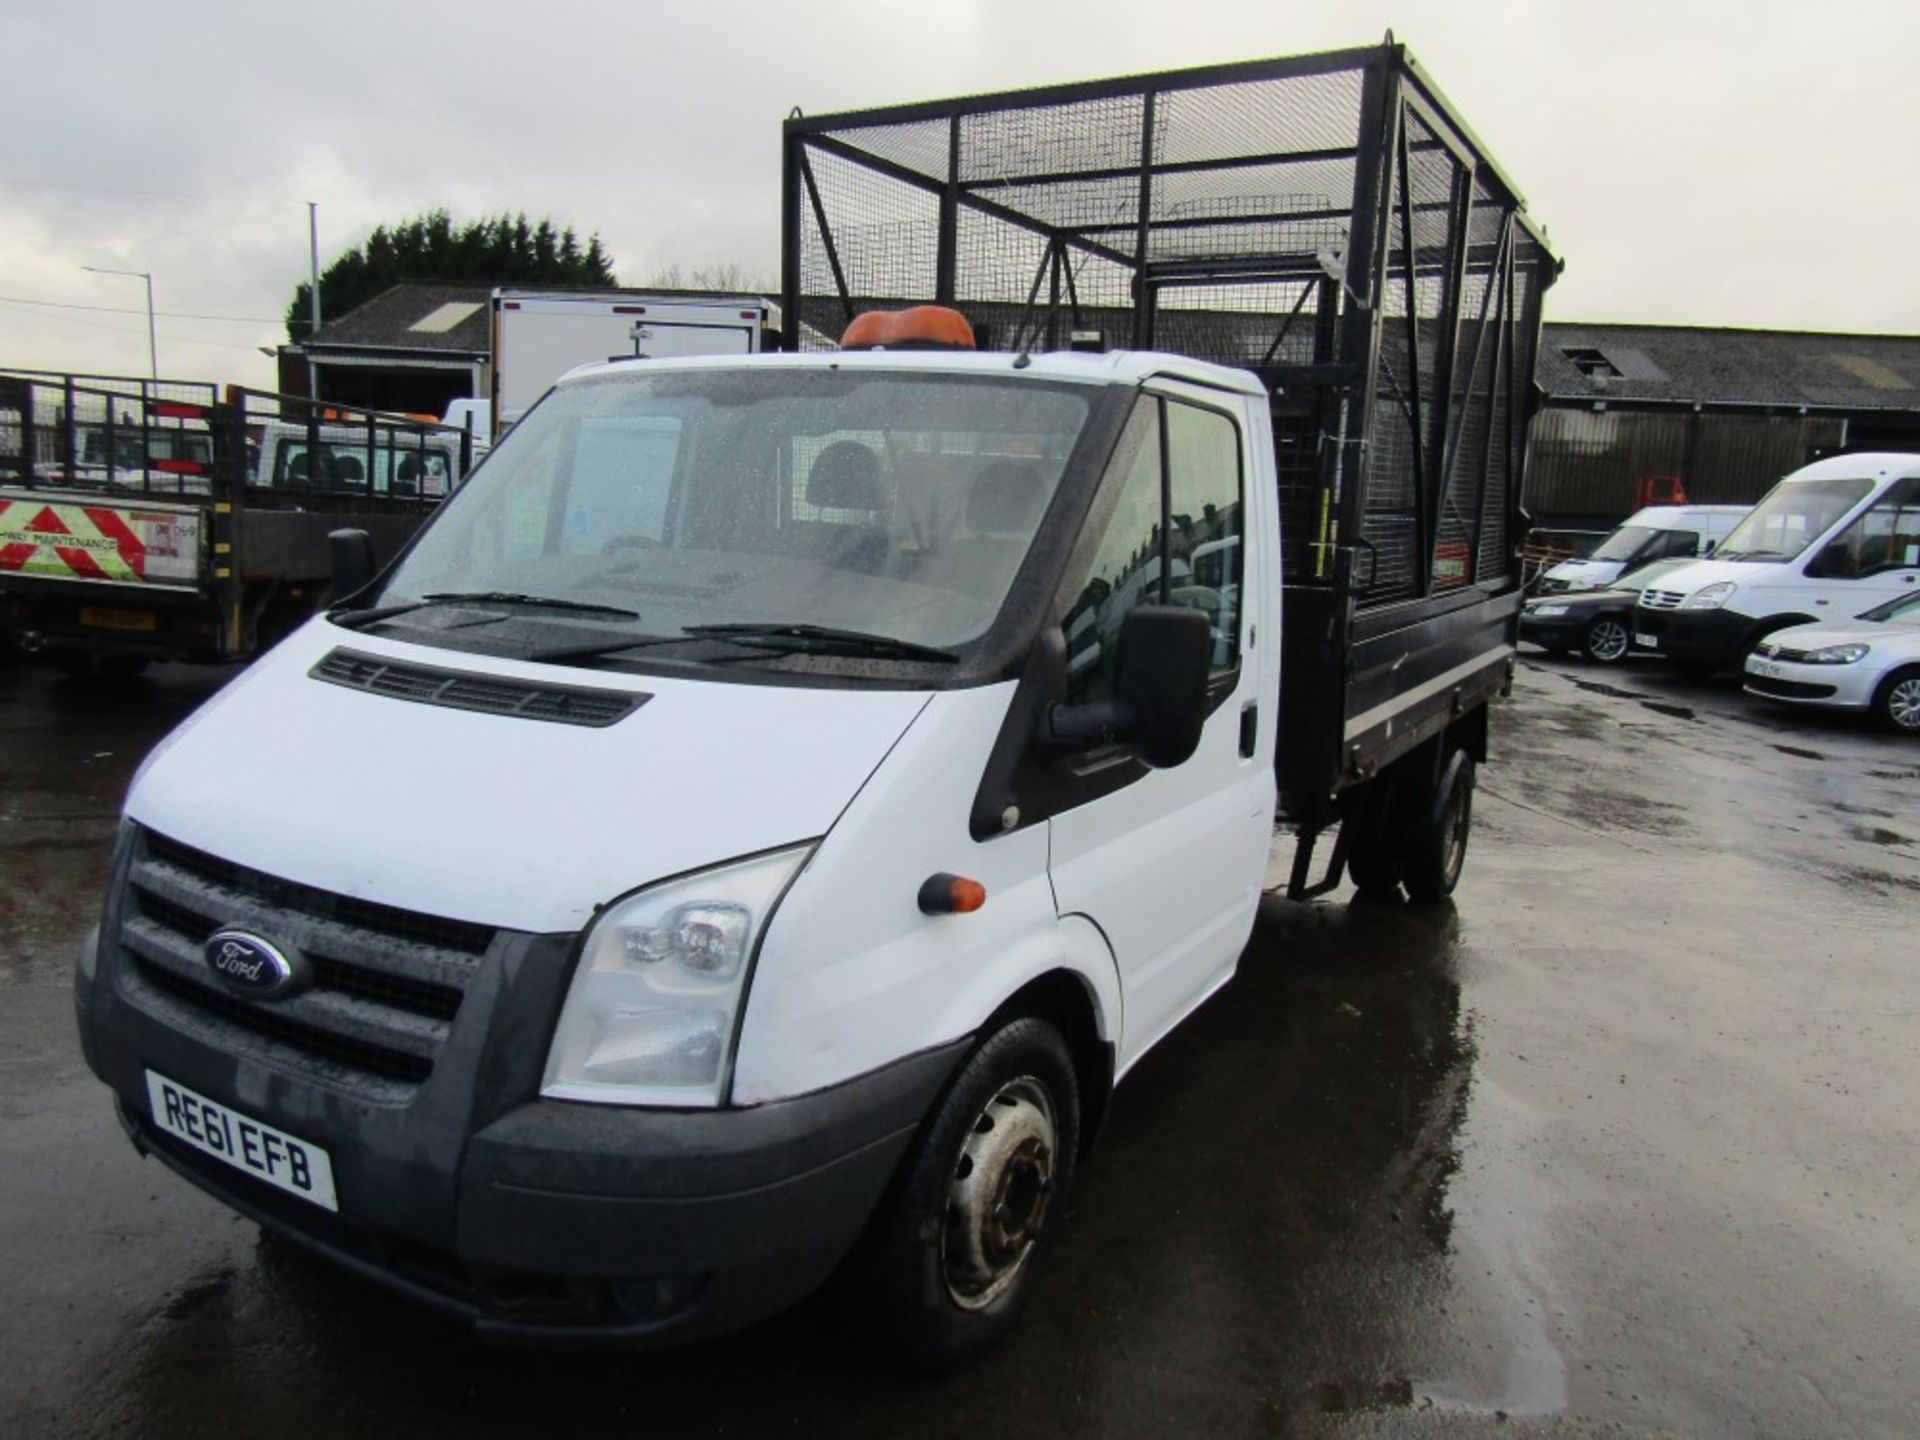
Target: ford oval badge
[(251, 966)]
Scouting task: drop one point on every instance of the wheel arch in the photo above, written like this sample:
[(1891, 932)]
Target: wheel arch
[(1065, 1000)]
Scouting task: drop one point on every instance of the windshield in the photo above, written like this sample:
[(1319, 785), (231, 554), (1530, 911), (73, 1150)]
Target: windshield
[(873, 502), (1902, 610), (1625, 543), (1794, 515)]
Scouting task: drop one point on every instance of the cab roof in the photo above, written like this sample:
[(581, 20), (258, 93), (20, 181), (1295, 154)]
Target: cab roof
[(1113, 367)]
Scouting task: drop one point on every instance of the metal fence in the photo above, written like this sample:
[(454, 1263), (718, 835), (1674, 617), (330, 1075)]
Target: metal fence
[(185, 439)]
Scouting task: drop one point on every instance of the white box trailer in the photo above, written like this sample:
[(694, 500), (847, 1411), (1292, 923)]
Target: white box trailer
[(538, 336)]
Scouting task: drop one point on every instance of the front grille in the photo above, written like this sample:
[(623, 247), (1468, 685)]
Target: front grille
[(1651, 599), (464, 690), (1788, 689), (387, 983)]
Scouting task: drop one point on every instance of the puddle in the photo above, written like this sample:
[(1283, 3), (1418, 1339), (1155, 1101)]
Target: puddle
[(1600, 688), (1795, 750), (1679, 712), (1874, 835), (1878, 881)]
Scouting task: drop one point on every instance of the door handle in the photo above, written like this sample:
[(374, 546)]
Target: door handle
[(1249, 728)]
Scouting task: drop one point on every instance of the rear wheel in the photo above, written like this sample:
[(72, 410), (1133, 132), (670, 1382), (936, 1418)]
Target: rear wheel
[(952, 1252), (1896, 704), (1437, 847), (1607, 640), (1373, 859)]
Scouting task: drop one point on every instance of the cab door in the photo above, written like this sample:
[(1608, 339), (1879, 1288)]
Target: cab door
[(1169, 863), (1874, 559)]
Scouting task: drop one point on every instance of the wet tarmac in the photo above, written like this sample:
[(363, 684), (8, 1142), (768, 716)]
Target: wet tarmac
[(1622, 1143)]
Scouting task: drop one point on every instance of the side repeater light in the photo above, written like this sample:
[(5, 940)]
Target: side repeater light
[(944, 894)]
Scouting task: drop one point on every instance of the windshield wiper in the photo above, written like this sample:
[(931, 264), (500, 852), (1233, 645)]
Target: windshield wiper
[(544, 602), (360, 619), (821, 639), (607, 647)]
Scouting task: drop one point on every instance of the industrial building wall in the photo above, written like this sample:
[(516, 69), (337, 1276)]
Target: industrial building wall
[(1584, 465)]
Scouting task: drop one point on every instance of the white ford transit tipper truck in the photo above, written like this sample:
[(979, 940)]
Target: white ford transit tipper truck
[(757, 821)]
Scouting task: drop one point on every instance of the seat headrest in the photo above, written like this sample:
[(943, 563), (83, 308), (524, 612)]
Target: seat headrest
[(1006, 499), (846, 476)]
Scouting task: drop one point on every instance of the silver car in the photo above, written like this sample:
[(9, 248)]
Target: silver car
[(1871, 663)]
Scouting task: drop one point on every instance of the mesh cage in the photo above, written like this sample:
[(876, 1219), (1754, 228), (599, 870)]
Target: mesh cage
[(1320, 220)]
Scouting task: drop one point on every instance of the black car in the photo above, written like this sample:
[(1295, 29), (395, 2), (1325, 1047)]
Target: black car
[(1596, 623)]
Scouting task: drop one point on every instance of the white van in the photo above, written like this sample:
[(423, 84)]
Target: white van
[(1659, 532), (1831, 540)]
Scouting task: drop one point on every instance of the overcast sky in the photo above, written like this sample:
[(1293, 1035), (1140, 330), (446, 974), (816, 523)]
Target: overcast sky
[(1695, 162)]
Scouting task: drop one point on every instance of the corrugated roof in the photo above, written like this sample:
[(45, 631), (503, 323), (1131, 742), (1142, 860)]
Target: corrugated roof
[(1745, 367), (391, 320)]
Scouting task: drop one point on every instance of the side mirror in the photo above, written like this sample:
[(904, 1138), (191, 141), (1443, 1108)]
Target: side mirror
[(351, 553), (1159, 701), (1708, 548)]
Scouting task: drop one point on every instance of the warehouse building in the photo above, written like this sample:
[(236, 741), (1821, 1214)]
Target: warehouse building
[(1637, 414)]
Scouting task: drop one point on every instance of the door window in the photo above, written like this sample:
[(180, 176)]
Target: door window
[(1679, 542), (1173, 537)]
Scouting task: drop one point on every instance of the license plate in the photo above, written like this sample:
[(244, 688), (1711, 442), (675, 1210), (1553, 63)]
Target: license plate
[(295, 1166), (1763, 667), (102, 617), (1646, 642)]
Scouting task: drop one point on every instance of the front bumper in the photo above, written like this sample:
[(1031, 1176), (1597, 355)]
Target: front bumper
[(1709, 639), (1837, 687), (529, 1218)]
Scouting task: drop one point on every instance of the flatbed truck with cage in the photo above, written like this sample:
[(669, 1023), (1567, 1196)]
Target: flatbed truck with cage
[(773, 803), (144, 520), (1336, 230)]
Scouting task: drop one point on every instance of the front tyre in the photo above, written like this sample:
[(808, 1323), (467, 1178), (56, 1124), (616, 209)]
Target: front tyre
[(1607, 640), (952, 1252), (1896, 703)]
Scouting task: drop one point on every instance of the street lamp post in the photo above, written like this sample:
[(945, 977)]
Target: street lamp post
[(153, 340)]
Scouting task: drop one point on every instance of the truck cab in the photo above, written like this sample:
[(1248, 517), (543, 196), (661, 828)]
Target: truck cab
[(834, 649)]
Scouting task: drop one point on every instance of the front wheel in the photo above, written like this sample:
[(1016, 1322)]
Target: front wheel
[(1437, 848), (952, 1253), (1607, 640), (1896, 704)]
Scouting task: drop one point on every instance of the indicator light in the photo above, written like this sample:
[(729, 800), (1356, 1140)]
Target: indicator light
[(944, 894)]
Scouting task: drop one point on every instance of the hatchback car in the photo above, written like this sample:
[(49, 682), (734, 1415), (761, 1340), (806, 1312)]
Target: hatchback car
[(1871, 663)]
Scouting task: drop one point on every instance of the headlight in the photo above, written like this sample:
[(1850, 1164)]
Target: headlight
[(649, 1019), (1543, 612), (1836, 654), (1710, 597)]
